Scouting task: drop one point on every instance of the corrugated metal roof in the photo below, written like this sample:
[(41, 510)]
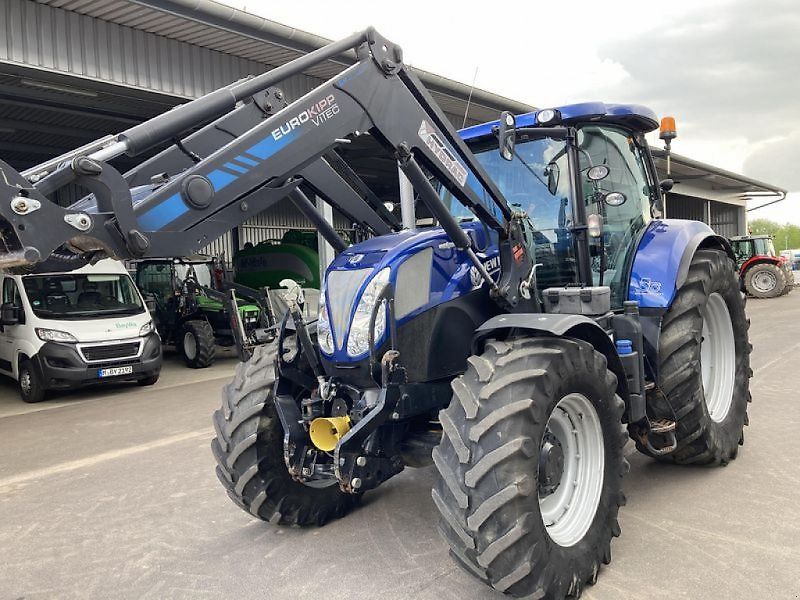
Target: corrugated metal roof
[(94, 67), (219, 27), (688, 170)]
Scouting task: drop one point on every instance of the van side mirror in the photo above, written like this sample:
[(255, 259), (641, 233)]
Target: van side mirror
[(507, 135), (9, 314)]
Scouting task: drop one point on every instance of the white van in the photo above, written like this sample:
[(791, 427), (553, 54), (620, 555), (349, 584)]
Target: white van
[(71, 329)]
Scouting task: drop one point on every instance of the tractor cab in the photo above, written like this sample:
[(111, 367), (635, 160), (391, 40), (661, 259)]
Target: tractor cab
[(747, 247), (603, 177)]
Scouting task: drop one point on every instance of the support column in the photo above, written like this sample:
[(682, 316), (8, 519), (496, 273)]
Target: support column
[(326, 253), (407, 214)]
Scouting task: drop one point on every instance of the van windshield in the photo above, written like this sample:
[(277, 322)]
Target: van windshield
[(76, 296)]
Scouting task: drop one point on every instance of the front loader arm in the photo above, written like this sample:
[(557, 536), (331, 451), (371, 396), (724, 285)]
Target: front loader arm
[(229, 174)]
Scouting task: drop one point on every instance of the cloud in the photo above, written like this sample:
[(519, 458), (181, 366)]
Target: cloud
[(729, 70), (777, 162), (730, 74)]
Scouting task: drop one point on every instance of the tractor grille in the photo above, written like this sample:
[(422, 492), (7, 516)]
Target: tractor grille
[(110, 351)]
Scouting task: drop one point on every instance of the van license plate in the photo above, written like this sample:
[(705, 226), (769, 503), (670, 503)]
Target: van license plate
[(114, 371)]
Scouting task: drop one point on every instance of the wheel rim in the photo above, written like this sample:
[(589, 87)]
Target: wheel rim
[(568, 511), (765, 281), (717, 358), (25, 382), (189, 345)]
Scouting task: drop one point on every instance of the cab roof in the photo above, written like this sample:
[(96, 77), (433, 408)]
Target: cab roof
[(637, 117)]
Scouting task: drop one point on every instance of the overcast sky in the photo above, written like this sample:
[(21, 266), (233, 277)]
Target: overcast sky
[(728, 70)]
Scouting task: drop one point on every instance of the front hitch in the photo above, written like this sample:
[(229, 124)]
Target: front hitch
[(358, 463)]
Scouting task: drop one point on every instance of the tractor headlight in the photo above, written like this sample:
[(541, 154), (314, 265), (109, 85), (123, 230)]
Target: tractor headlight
[(548, 116), (324, 334), (358, 339)]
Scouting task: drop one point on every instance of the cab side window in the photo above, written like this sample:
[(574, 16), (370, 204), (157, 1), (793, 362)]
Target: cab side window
[(11, 296)]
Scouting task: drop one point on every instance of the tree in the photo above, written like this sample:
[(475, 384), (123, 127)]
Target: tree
[(786, 236)]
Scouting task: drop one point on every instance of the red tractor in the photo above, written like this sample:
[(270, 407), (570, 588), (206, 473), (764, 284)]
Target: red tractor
[(763, 273)]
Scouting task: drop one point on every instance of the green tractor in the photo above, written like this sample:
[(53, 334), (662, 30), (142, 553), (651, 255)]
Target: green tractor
[(188, 306)]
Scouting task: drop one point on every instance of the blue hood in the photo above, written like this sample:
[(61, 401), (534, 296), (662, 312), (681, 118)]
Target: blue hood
[(450, 270)]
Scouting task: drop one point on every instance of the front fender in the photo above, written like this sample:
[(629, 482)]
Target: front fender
[(24, 349), (661, 263), (558, 325)]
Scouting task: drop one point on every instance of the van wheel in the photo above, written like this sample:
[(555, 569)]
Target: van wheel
[(30, 384)]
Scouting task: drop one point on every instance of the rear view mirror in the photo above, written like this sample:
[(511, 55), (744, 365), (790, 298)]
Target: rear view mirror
[(553, 173), (666, 185), (9, 314), (507, 135)]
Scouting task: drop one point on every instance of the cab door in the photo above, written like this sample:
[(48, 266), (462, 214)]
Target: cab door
[(9, 334)]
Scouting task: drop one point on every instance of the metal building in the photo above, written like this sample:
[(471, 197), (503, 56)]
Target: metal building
[(707, 193), (72, 71)]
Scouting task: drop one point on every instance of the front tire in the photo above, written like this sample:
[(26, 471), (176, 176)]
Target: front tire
[(197, 344), (249, 452), (530, 466), (704, 363), (31, 387)]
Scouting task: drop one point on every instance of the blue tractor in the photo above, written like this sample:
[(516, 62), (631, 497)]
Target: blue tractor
[(526, 315)]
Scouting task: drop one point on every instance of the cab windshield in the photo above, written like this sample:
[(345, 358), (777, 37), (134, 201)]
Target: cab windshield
[(201, 272), (764, 246), (536, 181), (72, 296)]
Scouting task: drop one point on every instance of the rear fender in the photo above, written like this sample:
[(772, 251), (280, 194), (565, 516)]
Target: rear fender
[(661, 263), (541, 324), (757, 260)]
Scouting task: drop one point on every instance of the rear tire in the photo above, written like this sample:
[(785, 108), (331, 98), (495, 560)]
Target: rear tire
[(196, 344), (710, 411), (31, 387), (507, 407), (249, 452), (789, 275), (765, 280)]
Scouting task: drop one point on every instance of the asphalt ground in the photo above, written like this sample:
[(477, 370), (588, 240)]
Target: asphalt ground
[(111, 493)]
